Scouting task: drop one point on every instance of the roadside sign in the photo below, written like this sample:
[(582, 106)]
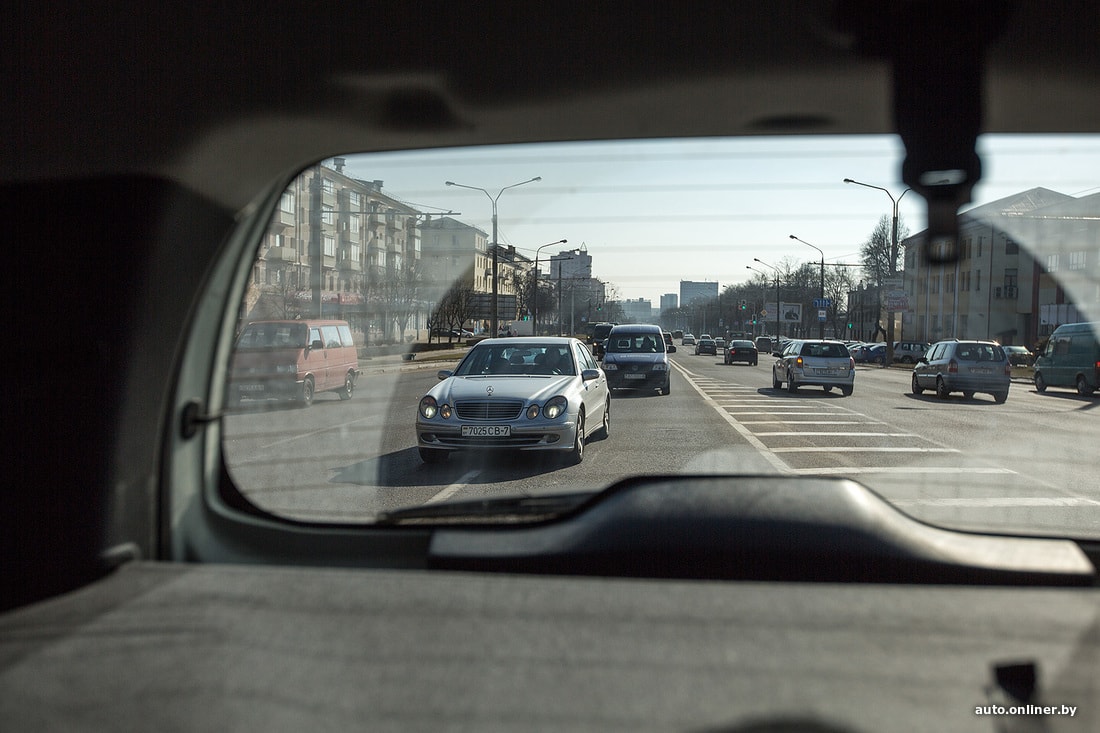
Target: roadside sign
[(822, 302), (821, 315)]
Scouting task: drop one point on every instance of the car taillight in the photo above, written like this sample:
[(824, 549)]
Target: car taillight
[(798, 362), (952, 367), (851, 363)]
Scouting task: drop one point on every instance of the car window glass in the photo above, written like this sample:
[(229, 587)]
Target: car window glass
[(408, 289)]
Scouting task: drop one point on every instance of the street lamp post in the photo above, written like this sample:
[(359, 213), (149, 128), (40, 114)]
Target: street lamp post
[(821, 330), (893, 261), (493, 322), (765, 264), (535, 288)]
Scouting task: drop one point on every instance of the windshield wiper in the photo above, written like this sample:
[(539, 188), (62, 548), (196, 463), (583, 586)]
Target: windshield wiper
[(525, 509)]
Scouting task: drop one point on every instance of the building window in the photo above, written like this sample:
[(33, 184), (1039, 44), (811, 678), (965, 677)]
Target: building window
[(286, 203), (354, 223), (1011, 248), (328, 214), (980, 246), (949, 282), (354, 198), (329, 245), (327, 185), (1078, 260), (978, 279), (935, 284), (1052, 262), (1010, 280)]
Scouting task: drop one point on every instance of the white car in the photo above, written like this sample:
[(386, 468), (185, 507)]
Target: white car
[(527, 394)]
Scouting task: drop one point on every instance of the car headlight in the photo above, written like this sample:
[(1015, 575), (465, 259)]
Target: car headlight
[(428, 407), (609, 366), (532, 412), (555, 407), (660, 367)]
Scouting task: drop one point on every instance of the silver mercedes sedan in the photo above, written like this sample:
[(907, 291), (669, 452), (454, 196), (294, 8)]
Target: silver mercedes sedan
[(526, 394)]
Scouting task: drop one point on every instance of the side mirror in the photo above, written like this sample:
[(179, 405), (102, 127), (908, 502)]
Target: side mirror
[(317, 344), (587, 375), (671, 349), (443, 374)]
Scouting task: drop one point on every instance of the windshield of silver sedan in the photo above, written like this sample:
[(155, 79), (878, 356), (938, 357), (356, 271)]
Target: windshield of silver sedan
[(426, 327)]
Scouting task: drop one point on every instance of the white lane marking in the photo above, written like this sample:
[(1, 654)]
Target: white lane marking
[(853, 449), (454, 488), (774, 412), (846, 470), (850, 433), (778, 463), (812, 422), (998, 501)]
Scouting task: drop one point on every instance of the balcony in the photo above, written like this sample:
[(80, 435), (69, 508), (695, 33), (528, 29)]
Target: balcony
[(281, 254), (349, 265)]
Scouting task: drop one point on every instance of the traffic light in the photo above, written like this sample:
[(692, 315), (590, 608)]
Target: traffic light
[(849, 326)]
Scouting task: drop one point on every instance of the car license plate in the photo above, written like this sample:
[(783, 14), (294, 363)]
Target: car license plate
[(633, 376), (251, 388), (826, 372), (486, 431)]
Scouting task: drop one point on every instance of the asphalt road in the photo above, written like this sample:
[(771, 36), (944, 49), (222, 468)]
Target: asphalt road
[(1026, 465)]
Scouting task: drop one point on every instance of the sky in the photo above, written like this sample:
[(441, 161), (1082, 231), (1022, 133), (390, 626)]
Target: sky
[(653, 213)]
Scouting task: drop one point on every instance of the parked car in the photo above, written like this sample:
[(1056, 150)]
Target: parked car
[(293, 360), (528, 394), (635, 358), (706, 346), (1071, 359), (870, 354), (964, 366), (745, 351), (908, 352), (815, 362)]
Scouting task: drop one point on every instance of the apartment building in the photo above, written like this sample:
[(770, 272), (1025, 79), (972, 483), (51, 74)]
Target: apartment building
[(1025, 263)]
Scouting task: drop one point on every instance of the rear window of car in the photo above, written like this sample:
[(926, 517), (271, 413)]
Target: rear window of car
[(825, 351), (742, 344), (979, 352)]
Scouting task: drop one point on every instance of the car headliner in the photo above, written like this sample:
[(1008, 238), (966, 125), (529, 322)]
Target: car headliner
[(241, 79)]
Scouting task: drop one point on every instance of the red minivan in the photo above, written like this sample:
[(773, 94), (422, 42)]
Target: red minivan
[(293, 360)]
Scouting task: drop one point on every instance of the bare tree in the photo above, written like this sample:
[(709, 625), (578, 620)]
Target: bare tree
[(838, 283), (880, 257), (403, 293)]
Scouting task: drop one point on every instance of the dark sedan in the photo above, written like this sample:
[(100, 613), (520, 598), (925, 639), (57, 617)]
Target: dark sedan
[(706, 346), (742, 351)]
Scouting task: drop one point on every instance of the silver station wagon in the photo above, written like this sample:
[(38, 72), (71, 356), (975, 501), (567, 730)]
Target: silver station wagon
[(819, 363)]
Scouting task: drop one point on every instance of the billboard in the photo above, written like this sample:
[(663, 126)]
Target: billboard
[(790, 312)]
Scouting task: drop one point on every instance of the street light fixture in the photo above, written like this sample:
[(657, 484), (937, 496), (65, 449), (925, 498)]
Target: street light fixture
[(765, 264), (762, 296), (535, 288), (893, 260), (496, 290), (821, 324)]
